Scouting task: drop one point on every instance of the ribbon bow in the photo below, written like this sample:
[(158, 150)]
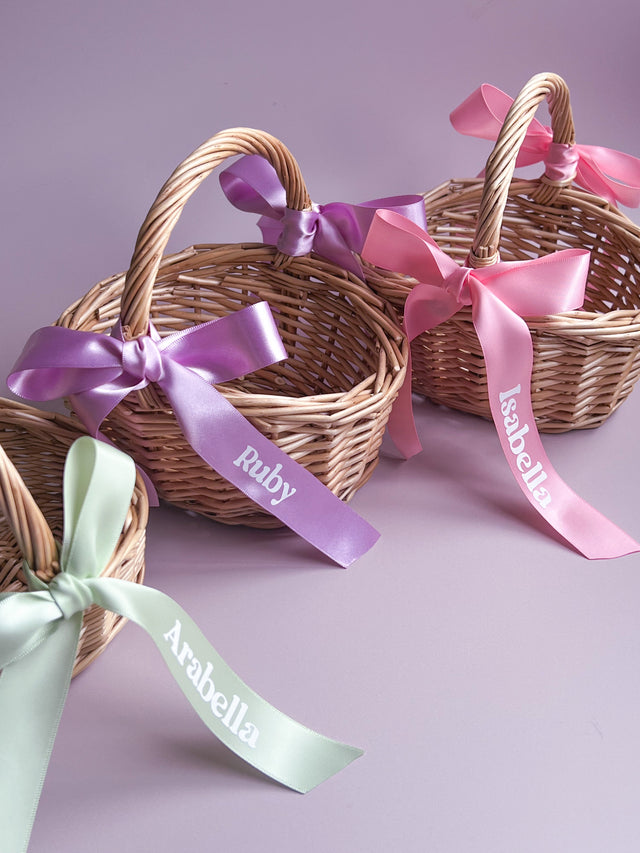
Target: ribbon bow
[(499, 295), (98, 371), (334, 231), (611, 174), (39, 632)]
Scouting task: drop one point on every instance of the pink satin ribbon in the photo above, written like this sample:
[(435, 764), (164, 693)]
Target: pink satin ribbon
[(499, 295), (334, 231), (611, 174), (98, 371)]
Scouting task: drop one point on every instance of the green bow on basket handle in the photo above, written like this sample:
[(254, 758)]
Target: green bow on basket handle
[(39, 633)]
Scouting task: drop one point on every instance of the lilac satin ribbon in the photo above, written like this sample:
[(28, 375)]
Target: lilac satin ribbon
[(334, 231), (97, 371), (611, 174), (499, 295)]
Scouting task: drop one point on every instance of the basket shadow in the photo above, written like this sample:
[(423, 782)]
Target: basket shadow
[(462, 451), (203, 753)]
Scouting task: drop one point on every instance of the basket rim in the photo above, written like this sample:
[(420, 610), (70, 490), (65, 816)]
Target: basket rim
[(379, 312)]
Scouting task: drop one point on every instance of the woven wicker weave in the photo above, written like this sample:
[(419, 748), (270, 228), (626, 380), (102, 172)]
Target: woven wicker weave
[(326, 405), (585, 362), (35, 444)]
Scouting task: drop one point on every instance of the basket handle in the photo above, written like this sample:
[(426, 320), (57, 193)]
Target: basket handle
[(165, 211), (502, 160), (28, 524)]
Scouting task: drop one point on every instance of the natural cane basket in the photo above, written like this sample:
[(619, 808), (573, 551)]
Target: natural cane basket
[(33, 448), (585, 362), (326, 405)]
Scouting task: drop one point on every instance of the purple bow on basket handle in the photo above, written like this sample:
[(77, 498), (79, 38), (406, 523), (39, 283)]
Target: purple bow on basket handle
[(335, 231), (97, 371), (611, 174)]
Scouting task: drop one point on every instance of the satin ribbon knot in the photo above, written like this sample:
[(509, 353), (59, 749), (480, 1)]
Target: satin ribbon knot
[(39, 635), (28, 620), (500, 296), (97, 371), (334, 231), (71, 594), (611, 174), (561, 162), (456, 284), (299, 230), (142, 361)]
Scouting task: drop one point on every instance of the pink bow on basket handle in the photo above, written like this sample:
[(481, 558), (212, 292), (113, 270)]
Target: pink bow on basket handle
[(611, 174), (500, 295)]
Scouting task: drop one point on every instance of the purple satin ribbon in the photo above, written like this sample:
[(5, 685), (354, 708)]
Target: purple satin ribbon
[(98, 371), (334, 231)]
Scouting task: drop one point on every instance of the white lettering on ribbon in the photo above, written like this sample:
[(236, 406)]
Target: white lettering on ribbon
[(533, 474), (268, 478), (232, 712)]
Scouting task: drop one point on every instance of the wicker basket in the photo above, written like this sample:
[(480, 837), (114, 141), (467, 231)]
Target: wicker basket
[(585, 362), (326, 405), (35, 444)]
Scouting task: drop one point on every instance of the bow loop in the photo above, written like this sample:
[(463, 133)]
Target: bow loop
[(546, 285), (98, 482), (611, 174)]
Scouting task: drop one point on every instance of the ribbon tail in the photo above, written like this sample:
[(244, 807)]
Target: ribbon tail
[(32, 695), (396, 243), (267, 475), (508, 351), (401, 423), (246, 723), (425, 308)]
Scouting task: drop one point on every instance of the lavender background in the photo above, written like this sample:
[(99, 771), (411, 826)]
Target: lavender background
[(491, 674)]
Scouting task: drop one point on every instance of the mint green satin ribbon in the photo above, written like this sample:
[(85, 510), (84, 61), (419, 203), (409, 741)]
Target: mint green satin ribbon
[(39, 632)]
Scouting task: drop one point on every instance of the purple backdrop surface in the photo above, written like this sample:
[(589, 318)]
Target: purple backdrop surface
[(490, 674)]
